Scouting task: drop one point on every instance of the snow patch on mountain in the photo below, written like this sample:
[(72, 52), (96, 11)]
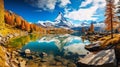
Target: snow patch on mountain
[(61, 21), (45, 23)]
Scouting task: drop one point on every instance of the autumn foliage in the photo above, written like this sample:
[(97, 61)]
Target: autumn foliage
[(91, 29), (110, 16), (18, 22)]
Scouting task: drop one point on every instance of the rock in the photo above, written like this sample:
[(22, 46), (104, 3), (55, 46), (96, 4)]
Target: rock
[(19, 51), (52, 62), (10, 35), (7, 38), (43, 54), (27, 51), (13, 55), (37, 59), (8, 54), (94, 46), (44, 59), (3, 39), (65, 62), (22, 63), (15, 52), (71, 65), (58, 63), (4, 59), (14, 62), (28, 54), (104, 58), (58, 58), (0, 38), (16, 34)]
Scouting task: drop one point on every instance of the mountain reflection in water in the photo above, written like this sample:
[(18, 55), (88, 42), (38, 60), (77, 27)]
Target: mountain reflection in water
[(62, 45)]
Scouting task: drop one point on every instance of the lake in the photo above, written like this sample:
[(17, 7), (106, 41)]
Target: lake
[(62, 45), (57, 45)]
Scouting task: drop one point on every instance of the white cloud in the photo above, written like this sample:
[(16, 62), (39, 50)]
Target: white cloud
[(102, 25), (85, 3), (43, 4), (48, 4), (63, 3), (86, 14), (82, 14), (51, 4)]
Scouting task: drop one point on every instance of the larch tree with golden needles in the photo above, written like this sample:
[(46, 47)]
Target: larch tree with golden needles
[(23, 25), (92, 28), (27, 26), (2, 24), (110, 19)]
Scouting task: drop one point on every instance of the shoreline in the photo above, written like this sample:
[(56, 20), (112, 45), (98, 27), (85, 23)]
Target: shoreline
[(14, 58)]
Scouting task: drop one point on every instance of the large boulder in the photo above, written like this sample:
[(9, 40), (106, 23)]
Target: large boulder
[(104, 58)]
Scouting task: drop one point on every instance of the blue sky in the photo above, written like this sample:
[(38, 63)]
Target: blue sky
[(76, 11)]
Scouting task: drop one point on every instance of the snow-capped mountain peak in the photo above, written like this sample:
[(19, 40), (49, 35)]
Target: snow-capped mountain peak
[(61, 21), (60, 17)]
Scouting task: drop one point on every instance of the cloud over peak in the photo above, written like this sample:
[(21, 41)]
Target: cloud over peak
[(63, 3)]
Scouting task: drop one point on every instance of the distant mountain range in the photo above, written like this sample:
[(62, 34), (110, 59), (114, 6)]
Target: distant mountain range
[(61, 22), (46, 24)]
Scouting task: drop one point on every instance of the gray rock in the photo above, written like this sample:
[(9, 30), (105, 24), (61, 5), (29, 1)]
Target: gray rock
[(43, 54), (104, 58), (44, 59)]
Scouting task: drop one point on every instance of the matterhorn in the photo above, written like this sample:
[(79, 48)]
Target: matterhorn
[(61, 21)]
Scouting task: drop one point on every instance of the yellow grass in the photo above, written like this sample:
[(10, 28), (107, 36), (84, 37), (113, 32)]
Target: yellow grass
[(108, 41)]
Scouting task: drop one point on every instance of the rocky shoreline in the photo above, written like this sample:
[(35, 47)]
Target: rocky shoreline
[(30, 59), (17, 58), (7, 57)]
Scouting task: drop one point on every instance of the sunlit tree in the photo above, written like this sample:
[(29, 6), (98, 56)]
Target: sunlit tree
[(92, 28), (110, 19), (23, 25), (27, 26)]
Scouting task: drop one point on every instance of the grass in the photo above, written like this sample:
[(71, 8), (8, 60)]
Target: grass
[(10, 30), (106, 41), (17, 43)]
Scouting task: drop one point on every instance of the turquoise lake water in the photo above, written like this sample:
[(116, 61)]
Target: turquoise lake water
[(61, 45)]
